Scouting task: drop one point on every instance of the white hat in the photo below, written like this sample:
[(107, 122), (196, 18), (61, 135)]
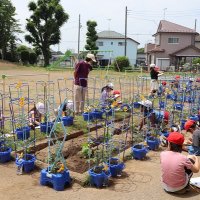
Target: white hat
[(152, 65), (40, 107), (146, 103), (110, 85), (191, 79), (91, 56)]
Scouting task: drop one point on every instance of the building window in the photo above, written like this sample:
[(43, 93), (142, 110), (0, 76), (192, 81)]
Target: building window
[(99, 44), (121, 43), (111, 43), (173, 40)]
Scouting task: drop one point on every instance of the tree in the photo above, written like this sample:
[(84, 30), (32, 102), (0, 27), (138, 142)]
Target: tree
[(120, 63), (91, 37), (140, 50), (32, 58), (8, 27), (44, 25)]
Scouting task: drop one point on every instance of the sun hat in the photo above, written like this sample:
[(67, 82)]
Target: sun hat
[(152, 65), (164, 83), (146, 103), (110, 85), (40, 107), (176, 138), (177, 77), (91, 56), (116, 93), (188, 124)]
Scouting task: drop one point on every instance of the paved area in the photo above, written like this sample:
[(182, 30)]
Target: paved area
[(140, 180)]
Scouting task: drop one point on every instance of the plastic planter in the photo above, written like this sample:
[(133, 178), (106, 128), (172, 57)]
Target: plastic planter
[(68, 120), (162, 104), (88, 116), (136, 105), (27, 162), (115, 167), (23, 133), (46, 127), (178, 107), (58, 180), (99, 179), (5, 154), (139, 151), (195, 118), (96, 114), (153, 143)]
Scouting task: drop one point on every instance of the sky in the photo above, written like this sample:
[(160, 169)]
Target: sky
[(142, 19)]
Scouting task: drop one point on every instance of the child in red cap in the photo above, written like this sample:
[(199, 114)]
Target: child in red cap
[(191, 126), (177, 168)]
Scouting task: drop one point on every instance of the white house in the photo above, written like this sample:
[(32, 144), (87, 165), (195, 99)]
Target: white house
[(112, 44)]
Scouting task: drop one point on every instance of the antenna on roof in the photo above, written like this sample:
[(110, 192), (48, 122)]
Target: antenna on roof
[(109, 24), (164, 10), (195, 25)]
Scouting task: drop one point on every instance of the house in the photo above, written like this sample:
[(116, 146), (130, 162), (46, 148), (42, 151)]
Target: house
[(112, 44), (174, 45)]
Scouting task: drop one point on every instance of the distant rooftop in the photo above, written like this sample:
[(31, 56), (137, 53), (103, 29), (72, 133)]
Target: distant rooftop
[(169, 27), (113, 35)]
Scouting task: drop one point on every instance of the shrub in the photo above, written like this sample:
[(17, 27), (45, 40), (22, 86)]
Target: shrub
[(120, 63), (24, 56), (32, 58), (196, 60)]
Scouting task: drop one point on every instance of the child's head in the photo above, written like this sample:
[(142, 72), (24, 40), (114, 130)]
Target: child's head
[(177, 77), (190, 126), (176, 141), (116, 94), (145, 105), (40, 108), (109, 87), (164, 83)]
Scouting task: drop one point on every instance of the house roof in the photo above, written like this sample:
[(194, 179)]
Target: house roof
[(156, 49), (193, 51), (113, 35), (169, 27)]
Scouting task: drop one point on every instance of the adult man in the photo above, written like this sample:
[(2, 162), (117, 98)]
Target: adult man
[(81, 72)]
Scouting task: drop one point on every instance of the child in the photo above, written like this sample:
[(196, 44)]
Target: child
[(191, 126), (67, 108), (156, 117), (36, 114), (177, 168), (161, 88), (176, 82), (105, 94)]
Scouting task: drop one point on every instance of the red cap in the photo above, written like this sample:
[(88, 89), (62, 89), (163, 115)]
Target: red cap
[(164, 83), (177, 77), (116, 92), (188, 124), (176, 138)]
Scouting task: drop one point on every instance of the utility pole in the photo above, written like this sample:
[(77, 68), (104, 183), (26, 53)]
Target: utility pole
[(126, 11), (79, 29), (195, 25), (164, 10)]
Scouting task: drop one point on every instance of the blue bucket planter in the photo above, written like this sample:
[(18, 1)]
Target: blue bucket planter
[(5, 154), (189, 99), (23, 133), (139, 151), (153, 143), (183, 123), (99, 179), (88, 116), (136, 105), (162, 104), (68, 120), (58, 180), (97, 114), (46, 127), (178, 107), (115, 167), (27, 163), (195, 118)]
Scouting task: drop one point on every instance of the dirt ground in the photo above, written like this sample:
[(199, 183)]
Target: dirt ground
[(140, 180)]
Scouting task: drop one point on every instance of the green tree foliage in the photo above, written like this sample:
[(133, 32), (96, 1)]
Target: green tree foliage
[(32, 58), (140, 50), (121, 62), (91, 37), (44, 25), (196, 61), (9, 27), (24, 56)]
